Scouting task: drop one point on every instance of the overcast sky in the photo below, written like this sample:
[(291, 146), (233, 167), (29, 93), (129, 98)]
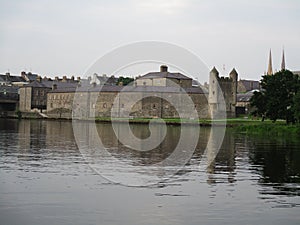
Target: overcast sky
[(64, 37)]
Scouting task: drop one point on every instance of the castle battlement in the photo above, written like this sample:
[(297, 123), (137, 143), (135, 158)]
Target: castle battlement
[(225, 79)]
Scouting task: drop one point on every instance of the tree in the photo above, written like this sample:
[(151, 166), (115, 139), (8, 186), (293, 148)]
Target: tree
[(258, 101), (125, 80), (276, 100), (296, 106)]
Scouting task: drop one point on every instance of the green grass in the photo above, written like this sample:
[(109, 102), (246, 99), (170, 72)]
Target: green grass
[(268, 129), (147, 120), (239, 125)]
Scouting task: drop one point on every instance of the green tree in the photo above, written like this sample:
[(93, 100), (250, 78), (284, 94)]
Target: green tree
[(125, 80), (296, 106), (259, 104), (276, 100)]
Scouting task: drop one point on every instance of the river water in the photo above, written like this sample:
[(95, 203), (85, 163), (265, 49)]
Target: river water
[(44, 179)]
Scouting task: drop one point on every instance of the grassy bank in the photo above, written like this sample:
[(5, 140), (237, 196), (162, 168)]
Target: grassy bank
[(173, 121), (268, 129), (237, 125)]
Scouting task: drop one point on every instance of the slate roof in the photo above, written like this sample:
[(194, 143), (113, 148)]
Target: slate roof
[(108, 88), (245, 97), (49, 84), (11, 78), (165, 75), (31, 76)]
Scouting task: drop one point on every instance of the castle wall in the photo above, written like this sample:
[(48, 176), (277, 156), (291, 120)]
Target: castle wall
[(151, 105)]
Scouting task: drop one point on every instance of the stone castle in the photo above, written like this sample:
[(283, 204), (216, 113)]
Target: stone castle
[(155, 91)]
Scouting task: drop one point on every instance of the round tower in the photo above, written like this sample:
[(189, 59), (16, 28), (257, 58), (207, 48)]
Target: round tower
[(234, 77)]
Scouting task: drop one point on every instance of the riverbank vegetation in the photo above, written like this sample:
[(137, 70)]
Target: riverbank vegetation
[(269, 129), (279, 97)]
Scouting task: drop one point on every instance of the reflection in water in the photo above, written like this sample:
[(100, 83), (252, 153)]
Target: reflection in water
[(224, 162), (278, 163), (40, 159), (119, 162)]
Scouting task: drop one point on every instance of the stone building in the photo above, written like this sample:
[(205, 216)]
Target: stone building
[(245, 86), (153, 104), (155, 95), (164, 79), (152, 96), (243, 102), (34, 95)]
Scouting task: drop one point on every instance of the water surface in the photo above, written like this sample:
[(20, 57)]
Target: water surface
[(45, 180)]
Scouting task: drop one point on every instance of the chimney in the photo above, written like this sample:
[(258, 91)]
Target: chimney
[(64, 79), (78, 78), (54, 86), (56, 78), (72, 78), (7, 74), (163, 68), (38, 79)]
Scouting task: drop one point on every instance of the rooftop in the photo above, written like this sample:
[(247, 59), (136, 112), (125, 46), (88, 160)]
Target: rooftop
[(49, 83), (108, 88), (165, 74)]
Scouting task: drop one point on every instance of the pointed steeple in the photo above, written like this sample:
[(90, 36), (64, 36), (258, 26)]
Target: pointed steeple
[(283, 61), (270, 70)]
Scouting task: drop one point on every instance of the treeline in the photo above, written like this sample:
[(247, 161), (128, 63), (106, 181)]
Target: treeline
[(279, 98)]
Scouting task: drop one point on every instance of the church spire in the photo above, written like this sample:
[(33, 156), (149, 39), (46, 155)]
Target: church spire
[(283, 61), (270, 70)]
